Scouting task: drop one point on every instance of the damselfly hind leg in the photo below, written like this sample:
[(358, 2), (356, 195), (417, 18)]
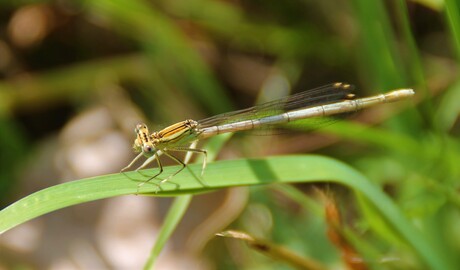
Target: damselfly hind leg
[(195, 150), (191, 149)]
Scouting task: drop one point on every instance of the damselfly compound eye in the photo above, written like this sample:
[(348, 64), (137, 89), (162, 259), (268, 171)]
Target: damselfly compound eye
[(148, 148)]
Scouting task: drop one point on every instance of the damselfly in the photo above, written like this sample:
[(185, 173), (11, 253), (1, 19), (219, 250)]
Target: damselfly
[(328, 100)]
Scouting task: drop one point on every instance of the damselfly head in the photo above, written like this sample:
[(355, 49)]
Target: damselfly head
[(141, 127), (142, 143)]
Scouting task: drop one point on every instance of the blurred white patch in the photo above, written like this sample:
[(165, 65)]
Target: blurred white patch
[(24, 238), (126, 231), (92, 146), (82, 255), (89, 124), (174, 260), (97, 156), (86, 256)]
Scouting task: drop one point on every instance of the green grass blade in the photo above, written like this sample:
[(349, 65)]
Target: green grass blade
[(222, 174), (453, 18), (415, 63), (175, 214), (379, 53)]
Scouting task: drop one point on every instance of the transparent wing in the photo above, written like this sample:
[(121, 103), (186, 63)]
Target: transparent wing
[(318, 96)]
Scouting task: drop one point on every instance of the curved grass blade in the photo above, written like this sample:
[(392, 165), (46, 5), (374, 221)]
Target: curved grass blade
[(174, 216), (222, 174)]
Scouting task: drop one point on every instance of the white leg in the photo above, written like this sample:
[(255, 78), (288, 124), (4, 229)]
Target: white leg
[(194, 150), (132, 162), (150, 159), (147, 162), (188, 155)]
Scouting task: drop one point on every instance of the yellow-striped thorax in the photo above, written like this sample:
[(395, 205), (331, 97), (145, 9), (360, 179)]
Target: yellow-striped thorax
[(161, 140)]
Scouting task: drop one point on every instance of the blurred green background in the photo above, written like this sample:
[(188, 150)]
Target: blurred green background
[(76, 76)]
